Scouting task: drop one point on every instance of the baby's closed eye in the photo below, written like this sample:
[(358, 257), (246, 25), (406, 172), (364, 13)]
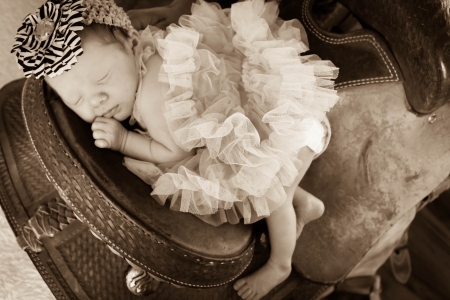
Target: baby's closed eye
[(78, 101), (103, 78)]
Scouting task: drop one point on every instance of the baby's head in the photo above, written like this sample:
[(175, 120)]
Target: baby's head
[(87, 59), (104, 80)]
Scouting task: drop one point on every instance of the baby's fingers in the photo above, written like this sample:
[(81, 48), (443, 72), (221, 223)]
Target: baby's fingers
[(101, 139), (100, 123), (98, 134)]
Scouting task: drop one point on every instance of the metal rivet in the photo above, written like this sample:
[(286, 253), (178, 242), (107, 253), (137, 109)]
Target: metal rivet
[(432, 118)]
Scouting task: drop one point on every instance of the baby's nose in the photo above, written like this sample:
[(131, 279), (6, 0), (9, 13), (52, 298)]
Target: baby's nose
[(98, 99)]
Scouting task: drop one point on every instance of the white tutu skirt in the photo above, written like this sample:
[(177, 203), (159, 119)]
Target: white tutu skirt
[(240, 94)]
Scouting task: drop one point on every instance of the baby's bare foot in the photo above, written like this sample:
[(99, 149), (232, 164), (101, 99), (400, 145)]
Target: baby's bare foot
[(258, 284), (307, 208)]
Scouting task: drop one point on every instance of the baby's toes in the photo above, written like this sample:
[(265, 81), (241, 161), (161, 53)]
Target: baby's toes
[(244, 291), (240, 283), (248, 295)]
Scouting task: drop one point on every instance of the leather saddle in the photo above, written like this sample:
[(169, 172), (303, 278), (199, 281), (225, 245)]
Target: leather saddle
[(57, 187)]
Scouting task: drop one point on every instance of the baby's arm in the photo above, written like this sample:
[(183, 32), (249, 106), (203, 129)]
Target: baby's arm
[(161, 148), (109, 133)]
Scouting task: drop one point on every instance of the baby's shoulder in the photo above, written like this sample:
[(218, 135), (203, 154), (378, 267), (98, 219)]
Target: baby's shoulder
[(151, 95)]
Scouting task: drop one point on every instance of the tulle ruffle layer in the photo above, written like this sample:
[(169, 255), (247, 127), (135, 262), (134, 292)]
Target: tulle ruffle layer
[(240, 94)]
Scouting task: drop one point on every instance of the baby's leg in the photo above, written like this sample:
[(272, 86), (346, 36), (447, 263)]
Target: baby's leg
[(282, 233), (282, 225), (307, 208)]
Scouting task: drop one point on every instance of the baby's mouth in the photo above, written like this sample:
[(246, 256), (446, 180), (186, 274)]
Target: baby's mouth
[(111, 112)]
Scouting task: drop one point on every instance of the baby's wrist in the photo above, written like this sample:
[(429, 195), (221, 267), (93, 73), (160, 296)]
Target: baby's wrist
[(124, 141)]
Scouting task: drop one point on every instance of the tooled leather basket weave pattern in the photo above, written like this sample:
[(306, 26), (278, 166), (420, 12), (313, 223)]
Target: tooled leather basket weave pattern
[(139, 245), (35, 183)]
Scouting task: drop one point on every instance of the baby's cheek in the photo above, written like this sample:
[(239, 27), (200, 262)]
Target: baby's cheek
[(87, 116)]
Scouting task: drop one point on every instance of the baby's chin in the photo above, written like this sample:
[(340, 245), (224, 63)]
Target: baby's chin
[(124, 112)]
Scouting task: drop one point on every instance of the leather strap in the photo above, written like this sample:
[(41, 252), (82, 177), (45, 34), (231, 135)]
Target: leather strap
[(364, 285)]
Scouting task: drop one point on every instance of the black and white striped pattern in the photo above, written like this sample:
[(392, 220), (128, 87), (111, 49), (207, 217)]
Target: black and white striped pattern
[(59, 52)]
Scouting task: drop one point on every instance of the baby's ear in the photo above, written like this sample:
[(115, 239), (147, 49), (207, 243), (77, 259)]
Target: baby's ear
[(133, 38)]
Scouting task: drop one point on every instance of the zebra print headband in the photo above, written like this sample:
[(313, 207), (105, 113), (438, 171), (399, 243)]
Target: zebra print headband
[(47, 44)]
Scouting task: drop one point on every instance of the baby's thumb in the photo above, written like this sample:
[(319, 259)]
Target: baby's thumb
[(102, 143)]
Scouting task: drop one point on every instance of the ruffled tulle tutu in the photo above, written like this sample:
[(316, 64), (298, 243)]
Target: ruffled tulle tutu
[(240, 94)]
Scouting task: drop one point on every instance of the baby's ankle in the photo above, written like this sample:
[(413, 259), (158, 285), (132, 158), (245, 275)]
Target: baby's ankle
[(280, 264)]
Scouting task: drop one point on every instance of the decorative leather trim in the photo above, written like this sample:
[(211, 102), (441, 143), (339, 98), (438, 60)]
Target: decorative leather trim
[(50, 217)]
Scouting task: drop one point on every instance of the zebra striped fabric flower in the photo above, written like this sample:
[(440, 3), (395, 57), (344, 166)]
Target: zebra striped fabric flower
[(47, 43)]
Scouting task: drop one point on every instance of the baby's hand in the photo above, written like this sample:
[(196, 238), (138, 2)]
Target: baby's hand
[(109, 133), (161, 16)]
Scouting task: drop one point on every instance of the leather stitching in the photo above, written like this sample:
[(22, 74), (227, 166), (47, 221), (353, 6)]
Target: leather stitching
[(362, 38)]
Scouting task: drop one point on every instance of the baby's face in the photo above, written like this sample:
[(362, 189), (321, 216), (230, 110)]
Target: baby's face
[(102, 83)]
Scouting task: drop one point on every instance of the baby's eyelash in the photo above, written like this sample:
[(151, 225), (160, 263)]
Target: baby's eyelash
[(104, 77), (78, 101)]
